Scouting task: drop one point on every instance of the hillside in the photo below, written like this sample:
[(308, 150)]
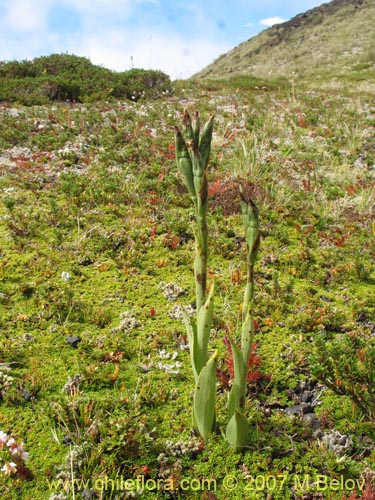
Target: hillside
[(333, 40), (97, 249), (98, 295)]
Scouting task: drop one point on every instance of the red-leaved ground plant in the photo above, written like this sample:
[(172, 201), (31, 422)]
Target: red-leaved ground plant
[(254, 373)]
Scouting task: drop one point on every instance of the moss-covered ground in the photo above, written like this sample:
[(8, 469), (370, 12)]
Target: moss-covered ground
[(95, 221)]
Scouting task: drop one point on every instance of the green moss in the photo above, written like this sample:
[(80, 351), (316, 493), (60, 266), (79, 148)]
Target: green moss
[(117, 221)]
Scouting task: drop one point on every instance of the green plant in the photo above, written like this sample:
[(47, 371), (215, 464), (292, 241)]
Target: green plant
[(345, 365), (120, 230), (237, 428), (6, 380), (61, 77), (249, 162), (192, 160)]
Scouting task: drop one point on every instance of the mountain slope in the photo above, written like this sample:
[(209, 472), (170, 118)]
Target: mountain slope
[(334, 39)]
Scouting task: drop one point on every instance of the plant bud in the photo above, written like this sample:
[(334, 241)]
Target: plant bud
[(205, 141)]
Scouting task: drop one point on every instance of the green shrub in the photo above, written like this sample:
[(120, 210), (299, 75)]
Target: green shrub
[(345, 364), (17, 69), (138, 83), (61, 77)]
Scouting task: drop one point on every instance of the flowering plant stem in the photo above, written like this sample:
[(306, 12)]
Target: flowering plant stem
[(192, 155), (237, 428)]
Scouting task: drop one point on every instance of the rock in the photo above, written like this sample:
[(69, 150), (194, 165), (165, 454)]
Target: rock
[(73, 341), (67, 440), (26, 394), (301, 409), (306, 396)]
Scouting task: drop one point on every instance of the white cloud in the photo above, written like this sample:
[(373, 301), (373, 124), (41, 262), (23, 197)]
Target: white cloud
[(117, 34), (270, 21), (26, 15), (248, 25), (170, 54), (26, 35)]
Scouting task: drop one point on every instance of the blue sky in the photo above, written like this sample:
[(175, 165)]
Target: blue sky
[(179, 37)]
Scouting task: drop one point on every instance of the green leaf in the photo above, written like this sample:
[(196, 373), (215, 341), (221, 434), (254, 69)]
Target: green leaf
[(204, 323), (186, 119), (250, 218), (197, 164), (238, 391), (247, 339), (204, 398), (205, 141), (196, 127), (184, 162), (191, 331), (237, 431)]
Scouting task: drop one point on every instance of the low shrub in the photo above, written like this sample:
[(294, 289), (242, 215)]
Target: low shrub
[(345, 364), (61, 77)]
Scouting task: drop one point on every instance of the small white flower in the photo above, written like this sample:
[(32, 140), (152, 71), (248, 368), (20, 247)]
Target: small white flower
[(22, 453), (176, 311), (170, 368), (3, 439), (19, 450), (9, 468), (168, 355), (65, 276), (13, 446)]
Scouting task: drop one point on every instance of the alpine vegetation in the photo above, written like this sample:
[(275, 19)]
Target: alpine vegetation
[(192, 156), (237, 429)]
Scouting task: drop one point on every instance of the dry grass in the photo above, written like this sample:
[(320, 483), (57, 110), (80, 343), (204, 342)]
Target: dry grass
[(328, 41)]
